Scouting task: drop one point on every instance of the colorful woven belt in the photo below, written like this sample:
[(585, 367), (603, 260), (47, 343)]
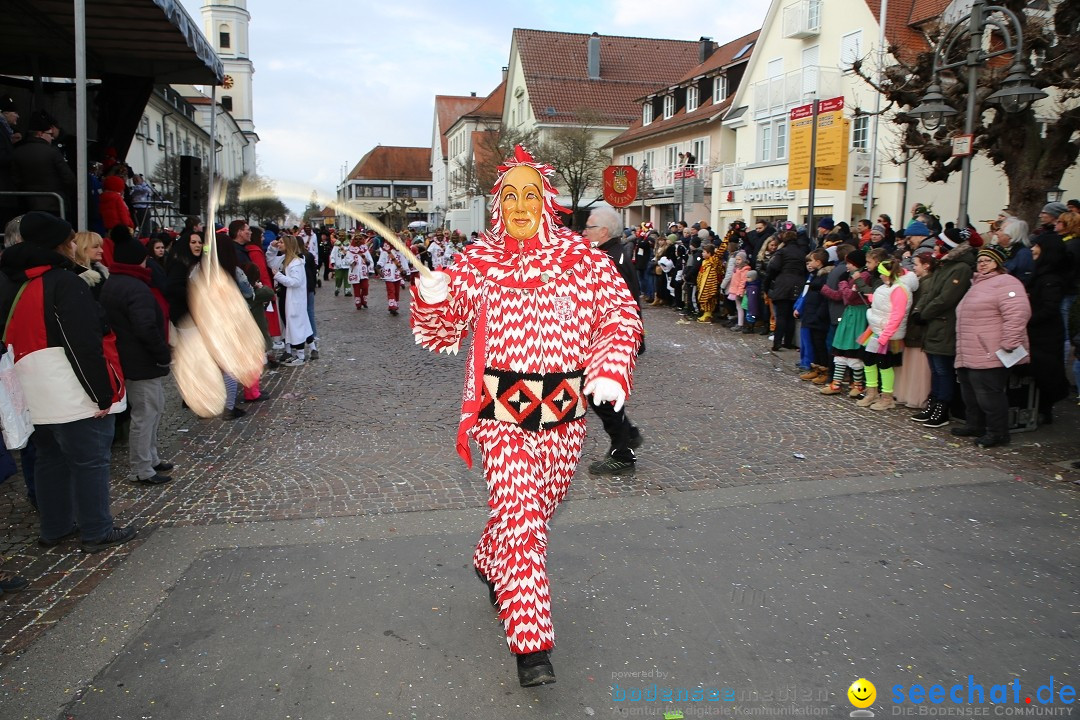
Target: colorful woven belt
[(534, 401)]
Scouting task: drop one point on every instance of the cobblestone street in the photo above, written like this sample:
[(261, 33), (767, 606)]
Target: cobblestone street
[(369, 429)]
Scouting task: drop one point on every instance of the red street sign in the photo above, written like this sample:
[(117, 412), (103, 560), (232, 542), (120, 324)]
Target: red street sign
[(831, 105), (620, 185), (685, 173), (801, 112)]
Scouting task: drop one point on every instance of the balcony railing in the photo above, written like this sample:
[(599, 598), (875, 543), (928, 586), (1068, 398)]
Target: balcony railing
[(777, 95), (665, 178), (731, 174), (802, 19)]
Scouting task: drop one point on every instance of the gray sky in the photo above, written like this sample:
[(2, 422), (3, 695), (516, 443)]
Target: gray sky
[(335, 78)]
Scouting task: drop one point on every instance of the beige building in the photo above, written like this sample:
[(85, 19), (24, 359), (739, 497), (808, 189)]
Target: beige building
[(384, 174), (556, 79), (684, 117), (805, 51)]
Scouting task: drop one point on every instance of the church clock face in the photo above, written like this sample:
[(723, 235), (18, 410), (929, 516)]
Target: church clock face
[(228, 82)]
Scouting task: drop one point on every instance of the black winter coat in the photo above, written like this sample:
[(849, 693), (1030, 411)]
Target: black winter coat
[(786, 273), (814, 314), (622, 254), (138, 322), (37, 166)]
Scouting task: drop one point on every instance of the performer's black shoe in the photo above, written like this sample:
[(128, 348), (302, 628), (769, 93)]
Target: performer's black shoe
[(535, 669), (492, 596), (612, 466)]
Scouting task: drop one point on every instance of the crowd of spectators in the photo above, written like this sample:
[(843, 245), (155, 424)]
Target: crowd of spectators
[(934, 318)]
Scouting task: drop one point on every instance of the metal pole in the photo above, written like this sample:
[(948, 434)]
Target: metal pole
[(813, 176), (641, 187), (212, 170), (975, 28), (81, 165), (877, 113)]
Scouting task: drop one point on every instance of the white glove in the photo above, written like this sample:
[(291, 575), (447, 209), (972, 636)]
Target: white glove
[(435, 289), (605, 389)]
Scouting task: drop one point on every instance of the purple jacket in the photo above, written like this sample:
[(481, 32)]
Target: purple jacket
[(992, 316)]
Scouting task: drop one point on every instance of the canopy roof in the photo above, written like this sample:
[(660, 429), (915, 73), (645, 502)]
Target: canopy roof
[(145, 38)]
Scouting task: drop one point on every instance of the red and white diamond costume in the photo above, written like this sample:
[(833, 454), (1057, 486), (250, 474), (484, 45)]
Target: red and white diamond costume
[(548, 315)]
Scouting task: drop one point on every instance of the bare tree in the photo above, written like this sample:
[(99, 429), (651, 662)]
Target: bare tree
[(1034, 151), (579, 161)]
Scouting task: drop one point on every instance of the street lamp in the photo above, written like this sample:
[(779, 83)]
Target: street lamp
[(1015, 95), (1054, 194)]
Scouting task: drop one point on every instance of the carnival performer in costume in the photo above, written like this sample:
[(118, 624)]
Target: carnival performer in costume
[(552, 321), (395, 270)]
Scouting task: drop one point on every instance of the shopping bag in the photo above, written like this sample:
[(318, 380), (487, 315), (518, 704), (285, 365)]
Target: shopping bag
[(14, 410)]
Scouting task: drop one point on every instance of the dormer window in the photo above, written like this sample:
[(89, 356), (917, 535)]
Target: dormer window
[(669, 106), (646, 113), (719, 92), (691, 99)]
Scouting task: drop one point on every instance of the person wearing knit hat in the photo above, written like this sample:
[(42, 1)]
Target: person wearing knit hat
[(71, 385), (45, 229), (1053, 209), (995, 253), (992, 318), (139, 323), (918, 229)]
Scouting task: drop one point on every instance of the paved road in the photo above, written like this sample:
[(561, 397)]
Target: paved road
[(292, 524)]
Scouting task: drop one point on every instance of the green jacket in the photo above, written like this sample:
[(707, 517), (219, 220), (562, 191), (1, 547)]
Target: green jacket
[(939, 296)]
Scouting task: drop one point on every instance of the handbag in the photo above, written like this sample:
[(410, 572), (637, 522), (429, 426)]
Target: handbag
[(14, 411)]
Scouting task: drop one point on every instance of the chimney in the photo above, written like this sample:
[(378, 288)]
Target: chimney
[(472, 94), (594, 56), (706, 47), (505, 70)]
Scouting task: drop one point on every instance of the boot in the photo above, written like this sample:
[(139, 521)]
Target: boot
[(705, 317), (821, 379), (884, 402), (832, 388), (869, 398), (925, 414), (857, 389), (939, 416), (810, 374), (535, 669)]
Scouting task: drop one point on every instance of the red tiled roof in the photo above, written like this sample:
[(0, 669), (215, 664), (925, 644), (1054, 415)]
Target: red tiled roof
[(492, 105), (555, 66), (328, 212), (903, 15), (448, 109), (923, 10), (680, 119), (387, 162), (723, 56)]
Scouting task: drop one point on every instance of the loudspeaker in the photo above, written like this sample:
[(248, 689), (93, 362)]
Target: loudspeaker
[(190, 182)]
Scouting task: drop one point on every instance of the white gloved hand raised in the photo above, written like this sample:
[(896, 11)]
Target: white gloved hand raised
[(435, 289), (605, 389)]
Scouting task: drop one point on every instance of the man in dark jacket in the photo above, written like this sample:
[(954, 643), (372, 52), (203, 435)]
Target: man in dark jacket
[(755, 240), (139, 324), (604, 230), (56, 332), (37, 166)]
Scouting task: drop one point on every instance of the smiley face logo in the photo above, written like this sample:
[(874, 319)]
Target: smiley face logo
[(862, 693)]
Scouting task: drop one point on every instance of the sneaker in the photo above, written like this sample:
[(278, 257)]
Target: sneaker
[(989, 441), (116, 536), (833, 388), (925, 414), (293, 362), (314, 354), (286, 358), (535, 669), (235, 413), (612, 466), (164, 466), (50, 543), (13, 583), (156, 479)]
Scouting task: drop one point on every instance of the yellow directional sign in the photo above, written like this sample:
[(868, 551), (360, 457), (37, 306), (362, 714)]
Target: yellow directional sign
[(831, 139), (800, 132), (835, 177)]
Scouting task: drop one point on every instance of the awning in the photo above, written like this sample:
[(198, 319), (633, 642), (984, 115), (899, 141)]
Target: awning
[(141, 38)]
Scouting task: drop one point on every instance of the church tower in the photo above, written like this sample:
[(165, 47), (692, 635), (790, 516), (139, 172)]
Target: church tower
[(225, 24)]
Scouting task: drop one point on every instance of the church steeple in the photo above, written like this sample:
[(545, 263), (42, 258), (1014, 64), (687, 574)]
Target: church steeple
[(225, 23)]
